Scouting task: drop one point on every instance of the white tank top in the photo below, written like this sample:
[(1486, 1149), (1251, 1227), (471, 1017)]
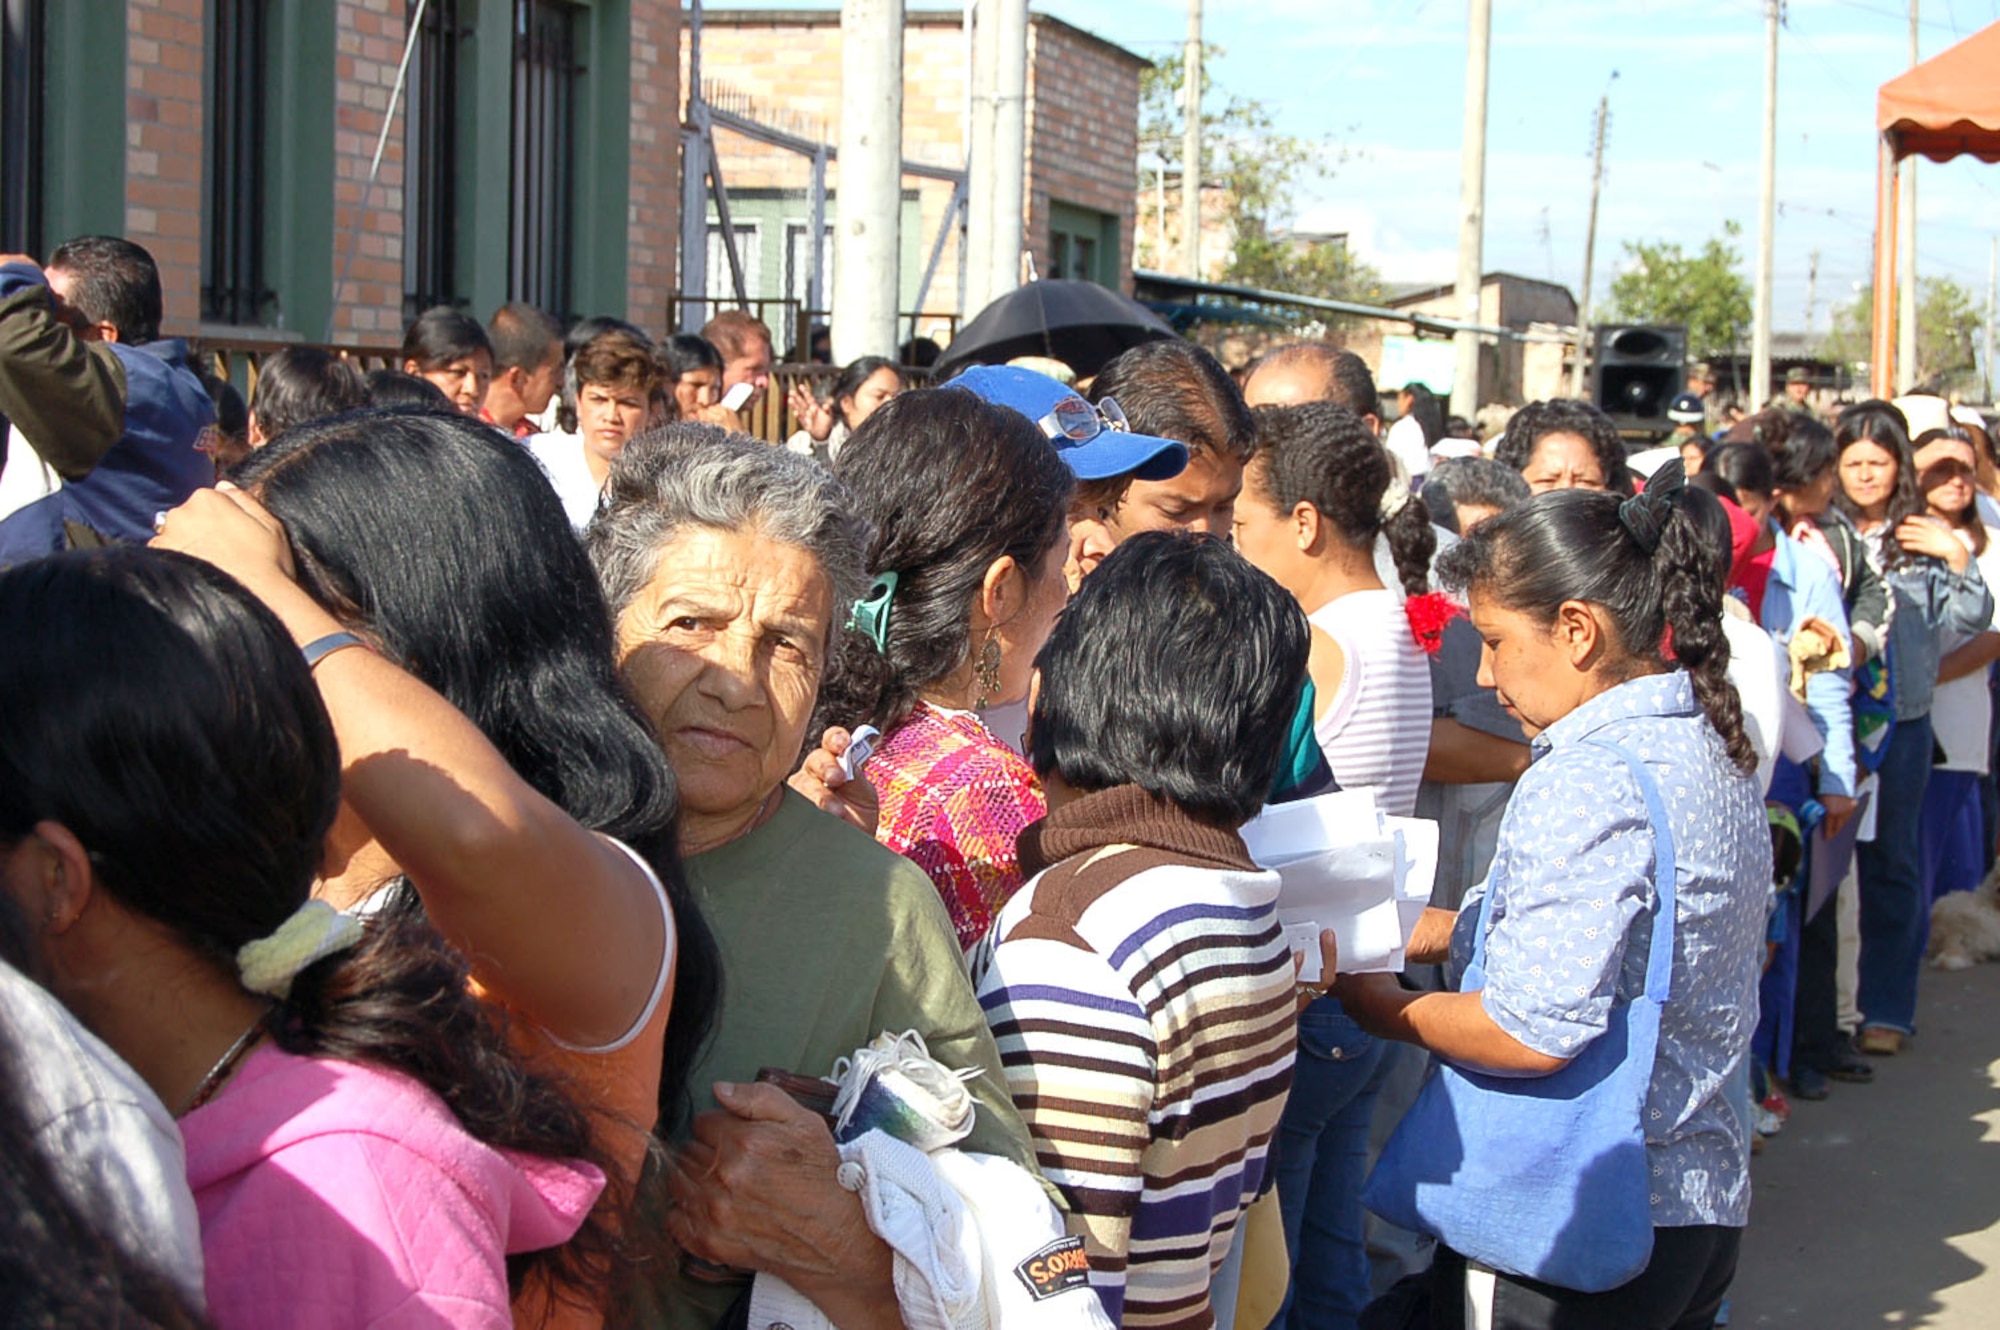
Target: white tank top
[(1376, 733)]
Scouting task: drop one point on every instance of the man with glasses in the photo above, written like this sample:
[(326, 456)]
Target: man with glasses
[(109, 407)]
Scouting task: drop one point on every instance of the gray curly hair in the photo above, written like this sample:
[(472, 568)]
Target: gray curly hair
[(693, 475)]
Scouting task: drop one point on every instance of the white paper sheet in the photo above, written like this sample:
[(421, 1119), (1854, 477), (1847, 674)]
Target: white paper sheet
[(1346, 867)]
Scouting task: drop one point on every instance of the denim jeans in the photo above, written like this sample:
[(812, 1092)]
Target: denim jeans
[(1895, 916), (1322, 1160)]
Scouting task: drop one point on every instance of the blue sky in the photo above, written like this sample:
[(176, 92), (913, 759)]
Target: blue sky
[(1382, 82)]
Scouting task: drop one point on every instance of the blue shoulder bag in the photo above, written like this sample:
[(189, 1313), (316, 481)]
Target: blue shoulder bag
[(1543, 1177)]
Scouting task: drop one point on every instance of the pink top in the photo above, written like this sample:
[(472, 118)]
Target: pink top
[(953, 800), (340, 1194)]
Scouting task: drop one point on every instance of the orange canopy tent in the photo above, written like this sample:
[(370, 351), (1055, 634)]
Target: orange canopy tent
[(1946, 107)]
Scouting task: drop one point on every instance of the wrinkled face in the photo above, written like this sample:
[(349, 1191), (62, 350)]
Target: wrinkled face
[(878, 388), (1201, 498), (608, 415), (1945, 470), (697, 390), (724, 649), (1530, 664), (463, 380), (1563, 461), (1868, 475)]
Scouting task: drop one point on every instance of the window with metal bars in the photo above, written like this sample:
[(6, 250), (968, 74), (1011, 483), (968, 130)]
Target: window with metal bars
[(541, 197), (233, 285), (430, 160), (21, 37)]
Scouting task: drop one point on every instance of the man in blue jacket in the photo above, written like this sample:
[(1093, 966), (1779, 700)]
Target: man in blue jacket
[(87, 382)]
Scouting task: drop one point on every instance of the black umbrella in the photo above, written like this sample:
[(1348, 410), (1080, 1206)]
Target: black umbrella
[(1081, 324)]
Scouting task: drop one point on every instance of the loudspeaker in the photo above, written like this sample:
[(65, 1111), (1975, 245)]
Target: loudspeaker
[(1636, 371)]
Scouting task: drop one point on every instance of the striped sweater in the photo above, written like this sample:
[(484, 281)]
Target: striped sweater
[(1141, 994)]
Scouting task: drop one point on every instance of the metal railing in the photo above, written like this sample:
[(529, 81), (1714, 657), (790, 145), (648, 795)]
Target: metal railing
[(239, 359), (792, 324)]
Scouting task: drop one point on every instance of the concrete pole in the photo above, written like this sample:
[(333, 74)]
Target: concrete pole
[(1580, 379), (1010, 148), (867, 241), (1906, 278), (1767, 218), (1191, 147), (1992, 282), (980, 160), (1471, 210)]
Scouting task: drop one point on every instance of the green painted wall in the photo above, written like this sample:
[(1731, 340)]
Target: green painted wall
[(83, 172)]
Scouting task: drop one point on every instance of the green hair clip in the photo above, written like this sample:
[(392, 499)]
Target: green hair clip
[(871, 616)]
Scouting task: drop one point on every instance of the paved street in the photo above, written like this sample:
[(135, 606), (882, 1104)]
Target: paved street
[(1881, 1206)]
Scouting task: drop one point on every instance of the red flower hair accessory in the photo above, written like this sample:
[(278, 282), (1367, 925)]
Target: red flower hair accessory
[(1429, 614)]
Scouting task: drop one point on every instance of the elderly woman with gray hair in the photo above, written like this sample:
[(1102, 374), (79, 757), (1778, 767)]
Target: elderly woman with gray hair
[(730, 568)]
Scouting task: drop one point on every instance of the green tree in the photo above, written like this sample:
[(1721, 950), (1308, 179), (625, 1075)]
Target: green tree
[(1259, 170), (1948, 327), (1704, 292)]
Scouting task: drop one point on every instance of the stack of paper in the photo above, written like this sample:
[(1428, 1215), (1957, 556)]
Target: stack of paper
[(1347, 866)]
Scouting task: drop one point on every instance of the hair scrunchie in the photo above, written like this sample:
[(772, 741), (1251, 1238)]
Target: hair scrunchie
[(315, 931), (1644, 516)]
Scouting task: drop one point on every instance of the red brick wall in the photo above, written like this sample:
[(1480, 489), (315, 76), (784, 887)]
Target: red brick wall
[(368, 46), (1083, 133), (654, 209), (163, 115)]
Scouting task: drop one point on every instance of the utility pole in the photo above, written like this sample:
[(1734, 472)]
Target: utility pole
[(1812, 288), (1906, 296), (1992, 281), (1191, 147), (1471, 210), (1767, 217), (981, 163), (1010, 147), (1578, 384), (866, 271)]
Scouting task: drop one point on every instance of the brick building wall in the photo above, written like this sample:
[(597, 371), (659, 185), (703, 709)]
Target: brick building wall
[(782, 67), (163, 127), (1083, 133), (654, 209), (368, 307)]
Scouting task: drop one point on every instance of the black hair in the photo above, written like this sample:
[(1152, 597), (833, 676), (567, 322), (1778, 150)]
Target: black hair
[(226, 442), (1176, 390), (441, 539), (1471, 480), (1711, 521), (1711, 484), (920, 352), (683, 353), (950, 483), (1559, 415), (160, 713), (1966, 519), (301, 383), (441, 335), (1802, 450), (393, 388), (522, 337), (1177, 668), (1644, 561), (1745, 466), (1884, 425), (1349, 380), (116, 282), (1426, 410), (1323, 454), (857, 373)]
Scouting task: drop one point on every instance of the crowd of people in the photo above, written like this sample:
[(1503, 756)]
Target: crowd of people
[(490, 842)]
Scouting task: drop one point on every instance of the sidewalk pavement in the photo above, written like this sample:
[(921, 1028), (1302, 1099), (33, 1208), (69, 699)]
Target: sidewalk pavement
[(1881, 1206)]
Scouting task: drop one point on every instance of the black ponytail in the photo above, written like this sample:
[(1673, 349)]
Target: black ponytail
[(1643, 560), (1323, 454), (161, 713)]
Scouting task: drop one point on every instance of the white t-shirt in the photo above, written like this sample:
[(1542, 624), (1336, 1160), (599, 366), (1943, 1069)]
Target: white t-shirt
[(1376, 731), (1962, 709), (112, 1144), (1772, 717), (1405, 442), (562, 459)]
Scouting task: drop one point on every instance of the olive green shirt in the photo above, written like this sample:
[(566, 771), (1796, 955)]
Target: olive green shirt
[(827, 941)]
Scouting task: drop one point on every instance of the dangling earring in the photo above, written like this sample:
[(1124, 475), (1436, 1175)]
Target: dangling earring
[(987, 671)]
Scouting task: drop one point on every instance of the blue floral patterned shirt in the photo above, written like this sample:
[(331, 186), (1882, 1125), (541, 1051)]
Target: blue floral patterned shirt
[(1573, 910)]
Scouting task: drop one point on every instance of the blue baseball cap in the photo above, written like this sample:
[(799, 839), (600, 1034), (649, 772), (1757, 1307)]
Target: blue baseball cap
[(1094, 441)]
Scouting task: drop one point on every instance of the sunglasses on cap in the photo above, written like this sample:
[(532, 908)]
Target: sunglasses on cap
[(1079, 422)]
